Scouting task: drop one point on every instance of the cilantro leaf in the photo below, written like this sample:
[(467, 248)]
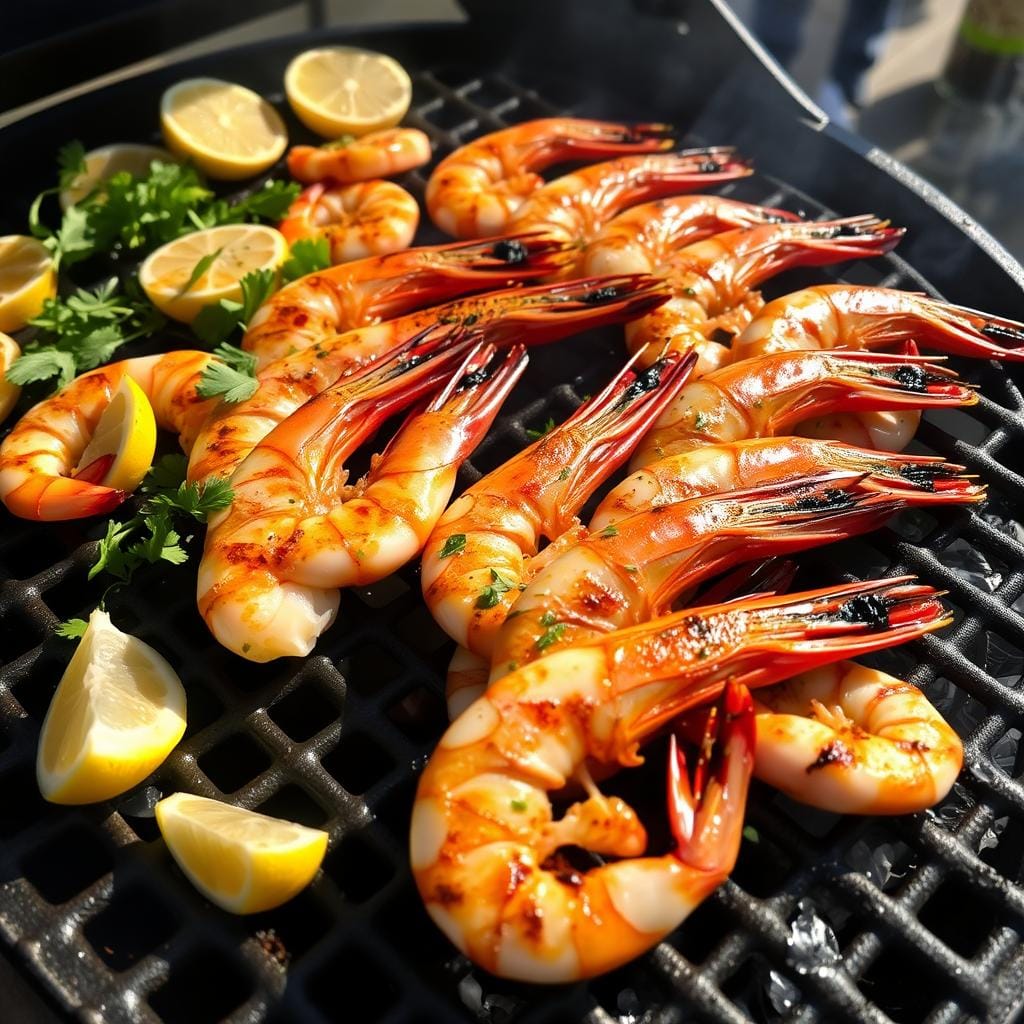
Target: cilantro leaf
[(536, 435), (453, 545), (166, 473), (42, 365), (72, 629), (611, 530), (308, 255), (218, 380), (216, 323), (71, 161), (550, 636), (491, 595), (237, 358)]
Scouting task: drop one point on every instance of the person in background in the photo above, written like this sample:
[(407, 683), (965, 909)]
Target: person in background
[(779, 26)]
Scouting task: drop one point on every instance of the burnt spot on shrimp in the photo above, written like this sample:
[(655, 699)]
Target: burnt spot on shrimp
[(913, 378), (510, 251), (867, 609), (1000, 331), (834, 752)]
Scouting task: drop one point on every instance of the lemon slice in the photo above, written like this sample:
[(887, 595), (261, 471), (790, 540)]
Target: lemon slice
[(27, 280), (228, 131), (123, 444), (118, 712), (9, 351), (342, 90), (237, 249), (241, 860), (105, 162)]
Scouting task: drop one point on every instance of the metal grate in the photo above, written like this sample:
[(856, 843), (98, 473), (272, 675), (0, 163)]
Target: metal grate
[(927, 911)]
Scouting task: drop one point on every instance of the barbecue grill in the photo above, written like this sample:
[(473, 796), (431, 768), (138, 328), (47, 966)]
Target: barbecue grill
[(917, 918)]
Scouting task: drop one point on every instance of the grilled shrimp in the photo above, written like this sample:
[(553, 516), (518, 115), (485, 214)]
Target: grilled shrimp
[(573, 208), (484, 547), (635, 567), (713, 281), (369, 218), (474, 191), (532, 315), (363, 292), (39, 456), (854, 740), (294, 532), (484, 842), (771, 394), (642, 238), (376, 155)]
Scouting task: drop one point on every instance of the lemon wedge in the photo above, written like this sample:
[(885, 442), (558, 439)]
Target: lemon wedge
[(241, 860), (9, 351), (27, 280), (342, 90), (234, 250), (123, 444), (118, 712), (228, 131), (105, 162)]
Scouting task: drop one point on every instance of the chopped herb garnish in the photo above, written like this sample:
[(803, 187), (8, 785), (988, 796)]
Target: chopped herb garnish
[(72, 629), (700, 421), (231, 376), (519, 805), (491, 595), (611, 530), (453, 545), (550, 636), (536, 435), (750, 833), (631, 568), (308, 255), (564, 475), (217, 322)]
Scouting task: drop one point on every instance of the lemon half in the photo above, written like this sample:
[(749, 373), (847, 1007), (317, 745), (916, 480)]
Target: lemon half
[(119, 710), (123, 444), (241, 860), (9, 351), (239, 249), (228, 131), (342, 90), (27, 280)]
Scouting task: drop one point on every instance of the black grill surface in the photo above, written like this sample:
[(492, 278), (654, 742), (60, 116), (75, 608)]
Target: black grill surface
[(825, 918)]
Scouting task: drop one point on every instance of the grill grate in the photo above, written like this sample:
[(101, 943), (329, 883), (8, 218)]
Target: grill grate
[(927, 910)]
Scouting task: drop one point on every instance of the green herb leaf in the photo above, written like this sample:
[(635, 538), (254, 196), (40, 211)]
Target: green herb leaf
[(611, 530), (308, 255), (751, 834), (42, 365), (218, 380), (71, 161), (548, 619), (201, 267), (564, 475), (536, 435), (491, 595), (72, 629), (167, 473), (518, 805), (453, 545), (700, 421), (217, 322), (550, 636)]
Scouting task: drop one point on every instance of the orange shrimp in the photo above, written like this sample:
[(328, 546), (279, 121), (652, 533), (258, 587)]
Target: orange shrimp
[(376, 155), (771, 394), (531, 315), (369, 218), (573, 208), (641, 239), (474, 191), (364, 292), (484, 843), (295, 532), (38, 457)]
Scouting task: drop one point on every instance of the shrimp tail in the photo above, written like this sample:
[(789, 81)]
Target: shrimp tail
[(47, 498), (772, 575), (781, 637), (707, 817), (526, 254), (577, 138), (969, 332), (616, 419)]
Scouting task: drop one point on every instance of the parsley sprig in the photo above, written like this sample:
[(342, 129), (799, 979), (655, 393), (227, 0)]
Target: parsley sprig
[(150, 535), (217, 322), (137, 214), (82, 331), (231, 376), (307, 256), (500, 584)]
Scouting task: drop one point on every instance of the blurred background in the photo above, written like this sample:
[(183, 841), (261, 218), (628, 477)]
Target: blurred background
[(937, 83)]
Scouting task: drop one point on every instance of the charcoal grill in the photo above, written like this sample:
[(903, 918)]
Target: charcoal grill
[(825, 918)]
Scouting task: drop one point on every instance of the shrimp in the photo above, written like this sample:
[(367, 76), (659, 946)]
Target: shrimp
[(573, 208), (294, 532), (635, 567), (642, 238), (532, 315), (830, 316), (854, 740), (376, 155), (483, 548), (769, 395), (38, 457), (364, 292), (484, 843), (369, 218), (474, 191), (713, 281)]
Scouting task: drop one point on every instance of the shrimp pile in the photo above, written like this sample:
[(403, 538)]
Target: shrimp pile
[(752, 430)]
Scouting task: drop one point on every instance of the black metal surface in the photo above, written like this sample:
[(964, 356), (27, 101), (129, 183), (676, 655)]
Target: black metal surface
[(90, 898)]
